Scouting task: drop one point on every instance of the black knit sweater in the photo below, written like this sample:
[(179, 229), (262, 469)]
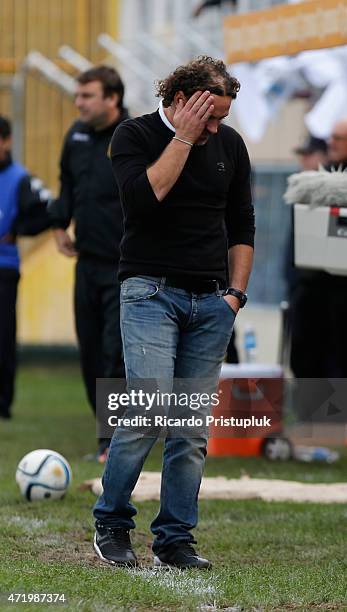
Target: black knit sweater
[(207, 210)]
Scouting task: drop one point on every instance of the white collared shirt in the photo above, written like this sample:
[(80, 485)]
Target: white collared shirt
[(164, 118)]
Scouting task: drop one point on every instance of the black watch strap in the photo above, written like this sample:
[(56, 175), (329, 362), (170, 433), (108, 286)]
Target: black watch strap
[(242, 297)]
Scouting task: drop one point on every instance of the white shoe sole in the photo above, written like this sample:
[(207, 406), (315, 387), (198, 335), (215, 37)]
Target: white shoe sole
[(157, 563), (161, 564), (99, 553), (109, 561)]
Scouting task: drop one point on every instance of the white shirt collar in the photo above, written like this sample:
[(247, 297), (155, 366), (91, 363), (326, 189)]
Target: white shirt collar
[(164, 118)]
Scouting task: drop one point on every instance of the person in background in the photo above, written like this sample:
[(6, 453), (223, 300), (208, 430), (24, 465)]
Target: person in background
[(338, 145), (23, 202), (89, 198), (317, 350), (312, 154), (303, 285), (336, 286)]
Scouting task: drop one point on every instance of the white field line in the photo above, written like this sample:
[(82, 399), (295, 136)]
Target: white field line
[(27, 524), (178, 581)]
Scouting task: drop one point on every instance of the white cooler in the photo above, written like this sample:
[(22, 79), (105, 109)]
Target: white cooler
[(320, 238)]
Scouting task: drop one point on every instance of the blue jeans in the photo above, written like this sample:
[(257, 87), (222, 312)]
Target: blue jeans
[(168, 333)]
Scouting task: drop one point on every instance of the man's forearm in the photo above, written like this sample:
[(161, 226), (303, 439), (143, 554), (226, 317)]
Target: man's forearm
[(240, 265), (164, 173)]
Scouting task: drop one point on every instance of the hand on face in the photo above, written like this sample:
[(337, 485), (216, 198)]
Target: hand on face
[(190, 117)]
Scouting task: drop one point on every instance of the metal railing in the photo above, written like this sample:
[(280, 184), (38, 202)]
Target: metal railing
[(37, 62), (78, 61)]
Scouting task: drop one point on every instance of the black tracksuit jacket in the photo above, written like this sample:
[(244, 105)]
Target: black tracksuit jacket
[(89, 193)]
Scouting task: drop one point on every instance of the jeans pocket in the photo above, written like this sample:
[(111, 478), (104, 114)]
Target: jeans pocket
[(135, 289), (227, 305)]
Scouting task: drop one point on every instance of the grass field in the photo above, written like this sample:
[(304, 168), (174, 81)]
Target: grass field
[(278, 556)]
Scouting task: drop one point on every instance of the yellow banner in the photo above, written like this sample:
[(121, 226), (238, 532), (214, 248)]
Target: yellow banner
[(285, 30)]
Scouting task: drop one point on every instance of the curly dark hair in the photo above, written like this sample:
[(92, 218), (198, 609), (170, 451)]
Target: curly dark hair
[(202, 73)]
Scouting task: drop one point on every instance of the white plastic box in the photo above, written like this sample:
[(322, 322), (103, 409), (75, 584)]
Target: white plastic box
[(320, 238)]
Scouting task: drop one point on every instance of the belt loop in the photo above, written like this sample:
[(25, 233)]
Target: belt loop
[(162, 282)]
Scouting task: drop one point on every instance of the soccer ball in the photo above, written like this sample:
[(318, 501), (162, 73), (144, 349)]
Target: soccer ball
[(43, 474)]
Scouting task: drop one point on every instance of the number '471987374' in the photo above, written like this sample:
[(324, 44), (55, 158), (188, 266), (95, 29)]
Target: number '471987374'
[(37, 598)]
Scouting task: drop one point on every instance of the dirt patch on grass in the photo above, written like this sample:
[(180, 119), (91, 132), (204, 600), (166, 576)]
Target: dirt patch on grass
[(148, 488), (77, 547), (68, 552)]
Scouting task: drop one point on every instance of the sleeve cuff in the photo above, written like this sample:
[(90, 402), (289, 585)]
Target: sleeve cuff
[(247, 239)]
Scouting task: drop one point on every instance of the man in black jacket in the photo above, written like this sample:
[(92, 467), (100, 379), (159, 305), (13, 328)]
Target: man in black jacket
[(23, 202), (184, 180), (312, 357), (89, 197)]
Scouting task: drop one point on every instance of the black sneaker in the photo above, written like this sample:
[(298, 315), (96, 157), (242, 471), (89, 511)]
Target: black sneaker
[(112, 545), (181, 554)]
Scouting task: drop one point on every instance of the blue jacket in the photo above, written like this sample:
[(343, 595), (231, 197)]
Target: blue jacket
[(10, 179)]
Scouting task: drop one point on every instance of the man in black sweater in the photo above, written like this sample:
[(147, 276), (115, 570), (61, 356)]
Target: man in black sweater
[(89, 197), (184, 181)]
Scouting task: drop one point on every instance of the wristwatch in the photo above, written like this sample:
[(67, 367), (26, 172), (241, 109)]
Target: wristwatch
[(242, 297)]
